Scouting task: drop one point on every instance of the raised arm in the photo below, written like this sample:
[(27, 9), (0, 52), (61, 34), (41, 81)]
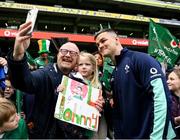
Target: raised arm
[(22, 41)]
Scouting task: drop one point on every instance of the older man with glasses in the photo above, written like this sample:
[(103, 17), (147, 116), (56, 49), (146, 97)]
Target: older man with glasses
[(43, 83)]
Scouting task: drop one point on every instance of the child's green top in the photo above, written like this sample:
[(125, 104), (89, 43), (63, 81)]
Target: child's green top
[(19, 133)]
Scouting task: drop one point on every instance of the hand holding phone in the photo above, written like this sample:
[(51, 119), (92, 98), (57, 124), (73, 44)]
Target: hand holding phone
[(31, 16)]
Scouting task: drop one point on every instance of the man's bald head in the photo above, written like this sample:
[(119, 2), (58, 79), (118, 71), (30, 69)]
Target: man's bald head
[(68, 57), (70, 46)]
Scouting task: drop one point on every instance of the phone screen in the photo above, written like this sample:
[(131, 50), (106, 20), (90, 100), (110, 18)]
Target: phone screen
[(31, 16)]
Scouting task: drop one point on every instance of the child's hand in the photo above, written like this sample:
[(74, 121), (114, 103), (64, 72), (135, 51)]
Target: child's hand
[(111, 101), (60, 88), (3, 61), (100, 103), (30, 125), (177, 120)]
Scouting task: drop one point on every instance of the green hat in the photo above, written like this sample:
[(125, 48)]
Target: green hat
[(43, 46)]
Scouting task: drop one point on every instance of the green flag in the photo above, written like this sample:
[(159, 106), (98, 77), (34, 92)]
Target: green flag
[(30, 59), (162, 44), (19, 101), (108, 68)]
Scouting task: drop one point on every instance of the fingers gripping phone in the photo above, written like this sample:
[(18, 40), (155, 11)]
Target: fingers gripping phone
[(31, 16)]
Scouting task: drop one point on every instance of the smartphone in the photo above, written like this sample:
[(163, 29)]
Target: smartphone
[(31, 16)]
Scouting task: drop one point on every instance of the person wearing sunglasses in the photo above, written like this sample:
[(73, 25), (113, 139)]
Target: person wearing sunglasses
[(43, 83)]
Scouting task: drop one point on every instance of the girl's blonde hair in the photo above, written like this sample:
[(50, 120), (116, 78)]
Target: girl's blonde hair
[(95, 79), (7, 109)]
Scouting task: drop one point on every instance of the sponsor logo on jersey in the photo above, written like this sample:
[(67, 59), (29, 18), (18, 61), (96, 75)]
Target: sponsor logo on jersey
[(127, 69), (154, 72)]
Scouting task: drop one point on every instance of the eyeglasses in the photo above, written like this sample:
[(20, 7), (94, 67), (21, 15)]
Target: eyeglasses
[(9, 87), (71, 53)]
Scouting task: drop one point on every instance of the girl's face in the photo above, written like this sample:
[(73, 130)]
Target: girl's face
[(11, 124), (9, 90), (85, 67), (173, 82), (98, 59)]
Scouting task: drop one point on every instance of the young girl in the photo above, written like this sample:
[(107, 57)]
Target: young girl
[(174, 86), (88, 68), (11, 126)]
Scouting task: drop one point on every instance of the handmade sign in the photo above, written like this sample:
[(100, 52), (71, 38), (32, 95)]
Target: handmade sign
[(76, 104)]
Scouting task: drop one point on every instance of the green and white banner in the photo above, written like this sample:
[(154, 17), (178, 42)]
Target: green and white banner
[(162, 44)]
